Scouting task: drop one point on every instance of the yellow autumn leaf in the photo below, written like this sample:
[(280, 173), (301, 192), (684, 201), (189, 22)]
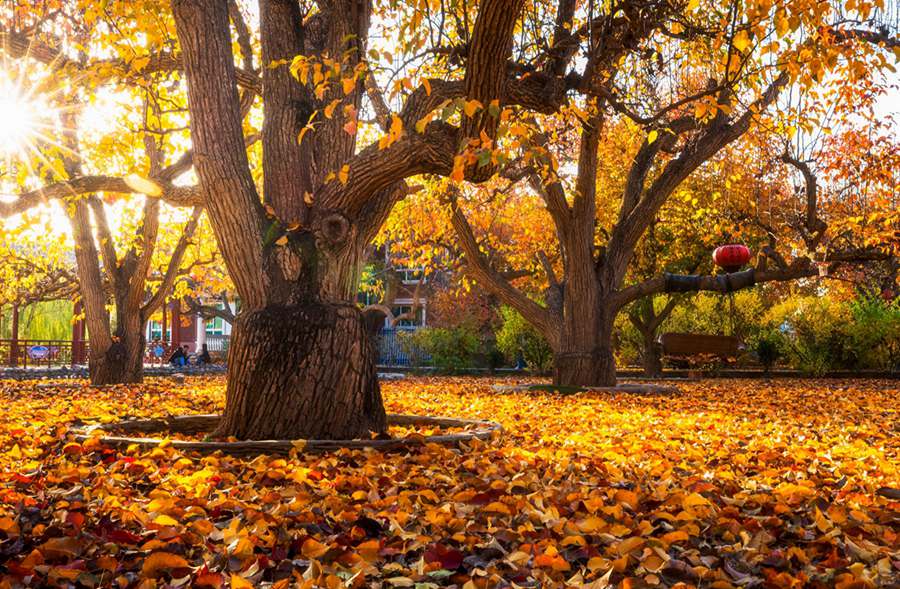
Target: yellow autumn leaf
[(329, 110), (459, 168), (471, 107), (497, 507), (239, 582), (313, 549), (165, 520), (742, 41)]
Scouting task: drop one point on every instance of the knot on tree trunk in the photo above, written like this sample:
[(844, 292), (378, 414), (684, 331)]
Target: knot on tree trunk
[(335, 229)]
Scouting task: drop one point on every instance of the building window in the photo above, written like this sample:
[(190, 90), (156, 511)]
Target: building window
[(367, 297), (156, 331), (411, 275), (410, 322), (215, 326)]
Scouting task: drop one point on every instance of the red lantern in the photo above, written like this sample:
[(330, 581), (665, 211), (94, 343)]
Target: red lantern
[(731, 257)]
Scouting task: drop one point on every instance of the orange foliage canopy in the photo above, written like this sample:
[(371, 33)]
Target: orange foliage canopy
[(728, 484)]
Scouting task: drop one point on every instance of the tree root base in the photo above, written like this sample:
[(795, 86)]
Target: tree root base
[(198, 424)]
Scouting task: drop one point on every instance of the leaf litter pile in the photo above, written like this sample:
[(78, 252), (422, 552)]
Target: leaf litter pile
[(728, 484)]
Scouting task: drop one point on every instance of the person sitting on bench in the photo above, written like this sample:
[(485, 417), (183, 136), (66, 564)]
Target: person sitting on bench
[(204, 357), (179, 357)]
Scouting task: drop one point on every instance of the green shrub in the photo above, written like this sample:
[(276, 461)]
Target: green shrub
[(821, 334), (450, 349), (713, 313), (517, 338), (767, 346), (875, 331)]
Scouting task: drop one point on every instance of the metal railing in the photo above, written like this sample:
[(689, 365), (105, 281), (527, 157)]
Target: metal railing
[(25, 353), (217, 343), (49, 353), (392, 351)]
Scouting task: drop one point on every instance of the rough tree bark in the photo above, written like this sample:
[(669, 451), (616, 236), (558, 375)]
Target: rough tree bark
[(646, 320), (301, 364), (308, 369)]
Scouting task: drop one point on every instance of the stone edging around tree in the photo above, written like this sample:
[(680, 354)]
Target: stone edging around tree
[(633, 388), (196, 424)]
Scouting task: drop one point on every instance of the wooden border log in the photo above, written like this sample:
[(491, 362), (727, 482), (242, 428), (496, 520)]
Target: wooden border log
[(194, 424), (633, 388)]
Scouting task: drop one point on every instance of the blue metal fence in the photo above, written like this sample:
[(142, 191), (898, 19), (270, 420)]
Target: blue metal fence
[(392, 351)]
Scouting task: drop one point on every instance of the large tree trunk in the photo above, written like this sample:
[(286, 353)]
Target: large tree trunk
[(301, 364), (302, 372), (586, 358), (122, 360)]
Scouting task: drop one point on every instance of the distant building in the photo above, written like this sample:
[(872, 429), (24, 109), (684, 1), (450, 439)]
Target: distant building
[(192, 331), (403, 290)]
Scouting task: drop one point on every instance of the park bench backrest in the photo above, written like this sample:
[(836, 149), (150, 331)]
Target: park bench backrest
[(699, 344)]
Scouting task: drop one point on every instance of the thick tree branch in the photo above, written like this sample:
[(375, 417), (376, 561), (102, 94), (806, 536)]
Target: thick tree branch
[(287, 107), (717, 134), (489, 50), (479, 268), (376, 98), (815, 228), (221, 158), (179, 196), (565, 41), (107, 243), (18, 45), (664, 312), (136, 263), (210, 311), (723, 283)]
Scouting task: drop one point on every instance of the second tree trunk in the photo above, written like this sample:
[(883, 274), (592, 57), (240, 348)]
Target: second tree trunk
[(121, 363)]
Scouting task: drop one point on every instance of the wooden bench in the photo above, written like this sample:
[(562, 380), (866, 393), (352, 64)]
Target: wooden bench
[(700, 346)]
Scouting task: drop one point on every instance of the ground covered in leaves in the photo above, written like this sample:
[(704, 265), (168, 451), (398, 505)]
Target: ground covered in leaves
[(729, 484)]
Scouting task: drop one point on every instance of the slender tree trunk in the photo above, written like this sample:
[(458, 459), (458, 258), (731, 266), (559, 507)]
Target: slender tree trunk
[(651, 355), (120, 363), (302, 372)]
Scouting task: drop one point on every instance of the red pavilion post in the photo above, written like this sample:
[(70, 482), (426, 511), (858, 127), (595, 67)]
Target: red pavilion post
[(165, 319), (176, 324), (14, 344)]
